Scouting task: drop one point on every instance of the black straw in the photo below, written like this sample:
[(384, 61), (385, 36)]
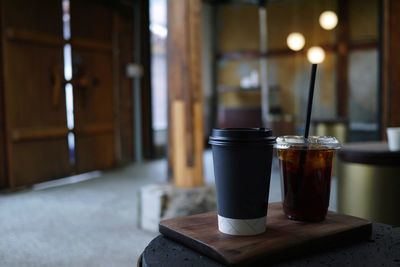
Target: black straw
[(310, 100), (303, 153)]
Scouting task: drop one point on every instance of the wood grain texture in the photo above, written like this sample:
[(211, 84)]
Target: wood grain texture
[(380, 250), (33, 130), (31, 115), (178, 144), (94, 85), (88, 44), (283, 237), (44, 17), (185, 93), (26, 36), (199, 143), (186, 175), (32, 133), (32, 106)]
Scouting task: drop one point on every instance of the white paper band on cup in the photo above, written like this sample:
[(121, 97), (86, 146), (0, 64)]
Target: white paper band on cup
[(241, 226)]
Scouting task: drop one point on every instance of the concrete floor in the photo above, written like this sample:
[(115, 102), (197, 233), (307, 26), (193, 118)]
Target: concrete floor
[(90, 223)]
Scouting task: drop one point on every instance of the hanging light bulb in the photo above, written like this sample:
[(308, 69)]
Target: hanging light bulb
[(295, 41), (328, 20), (316, 54)]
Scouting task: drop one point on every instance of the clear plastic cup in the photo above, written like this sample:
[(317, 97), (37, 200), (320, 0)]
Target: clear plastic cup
[(306, 170)]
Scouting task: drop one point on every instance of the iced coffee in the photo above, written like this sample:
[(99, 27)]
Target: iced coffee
[(306, 169)]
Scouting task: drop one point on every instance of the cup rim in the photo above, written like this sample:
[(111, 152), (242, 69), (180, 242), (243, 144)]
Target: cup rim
[(222, 136), (312, 142)]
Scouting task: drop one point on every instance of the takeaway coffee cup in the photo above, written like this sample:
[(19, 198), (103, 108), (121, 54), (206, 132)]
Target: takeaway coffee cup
[(242, 166)]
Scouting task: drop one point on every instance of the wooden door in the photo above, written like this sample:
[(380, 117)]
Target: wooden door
[(33, 131), (36, 129), (94, 84)]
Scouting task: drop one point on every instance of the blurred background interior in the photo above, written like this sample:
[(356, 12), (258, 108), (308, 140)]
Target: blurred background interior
[(113, 95)]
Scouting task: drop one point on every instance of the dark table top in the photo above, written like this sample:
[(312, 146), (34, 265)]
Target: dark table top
[(383, 249), (374, 153)]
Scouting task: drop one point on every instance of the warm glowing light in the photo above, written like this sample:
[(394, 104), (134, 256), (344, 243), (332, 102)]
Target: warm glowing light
[(295, 41), (328, 20), (315, 54)]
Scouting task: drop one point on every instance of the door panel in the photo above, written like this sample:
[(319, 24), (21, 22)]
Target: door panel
[(93, 106), (40, 160), (93, 82), (37, 101), (36, 113), (34, 97), (94, 96), (42, 16), (95, 151), (96, 26)]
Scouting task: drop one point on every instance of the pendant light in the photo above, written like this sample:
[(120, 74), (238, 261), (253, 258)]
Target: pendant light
[(316, 54), (295, 40), (328, 20)]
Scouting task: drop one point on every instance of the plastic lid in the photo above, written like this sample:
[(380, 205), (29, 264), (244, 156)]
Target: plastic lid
[(312, 142), (242, 135)]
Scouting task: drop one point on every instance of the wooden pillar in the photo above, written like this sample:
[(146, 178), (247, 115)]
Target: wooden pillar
[(390, 95), (342, 78), (185, 100)]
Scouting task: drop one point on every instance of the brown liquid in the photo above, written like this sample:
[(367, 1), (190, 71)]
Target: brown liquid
[(306, 178)]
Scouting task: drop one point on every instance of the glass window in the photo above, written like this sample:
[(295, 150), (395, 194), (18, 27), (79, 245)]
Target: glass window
[(158, 29)]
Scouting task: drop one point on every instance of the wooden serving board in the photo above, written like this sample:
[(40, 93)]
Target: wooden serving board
[(283, 238)]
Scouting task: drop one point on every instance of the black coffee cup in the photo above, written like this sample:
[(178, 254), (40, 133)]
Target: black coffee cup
[(242, 167)]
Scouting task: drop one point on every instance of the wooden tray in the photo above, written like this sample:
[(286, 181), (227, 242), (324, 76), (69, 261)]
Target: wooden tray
[(283, 238)]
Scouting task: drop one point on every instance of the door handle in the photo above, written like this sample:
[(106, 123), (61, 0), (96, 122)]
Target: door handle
[(84, 82)]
